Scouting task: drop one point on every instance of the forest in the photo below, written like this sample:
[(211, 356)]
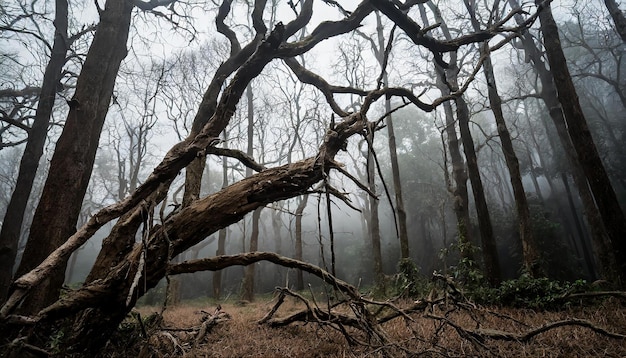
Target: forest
[(268, 178)]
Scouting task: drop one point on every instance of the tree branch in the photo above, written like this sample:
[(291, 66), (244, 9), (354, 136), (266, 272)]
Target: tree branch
[(221, 262)]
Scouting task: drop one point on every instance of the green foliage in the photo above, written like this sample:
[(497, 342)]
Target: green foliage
[(528, 292), (558, 259), (467, 272), (408, 281), (522, 292), (56, 340)]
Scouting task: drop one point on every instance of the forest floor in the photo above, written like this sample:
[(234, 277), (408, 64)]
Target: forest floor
[(465, 330)]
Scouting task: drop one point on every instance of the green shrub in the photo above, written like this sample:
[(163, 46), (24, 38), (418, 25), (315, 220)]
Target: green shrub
[(528, 292)]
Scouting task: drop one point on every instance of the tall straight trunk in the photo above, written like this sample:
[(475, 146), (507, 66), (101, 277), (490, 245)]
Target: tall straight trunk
[(577, 224), (530, 249), (71, 165), (605, 257), (221, 238), (278, 242), (247, 286), (460, 203), (460, 196), (395, 170), (217, 275), (14, 216), (298, 248), (597, 177), (618, 18), (490, 254), (533, 177), (488, 244), (374, 222)]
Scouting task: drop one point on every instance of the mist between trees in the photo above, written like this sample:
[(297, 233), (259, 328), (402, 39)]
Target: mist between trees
[(479, 140)]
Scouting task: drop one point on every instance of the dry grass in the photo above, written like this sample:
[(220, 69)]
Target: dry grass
[(242, 336)]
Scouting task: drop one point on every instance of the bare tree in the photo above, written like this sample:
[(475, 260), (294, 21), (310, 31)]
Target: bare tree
[(382, 52), (37, 134), (531, 252), (604, 195), (490, 255)]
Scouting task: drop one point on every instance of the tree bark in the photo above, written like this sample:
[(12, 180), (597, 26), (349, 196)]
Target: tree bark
[(488, 244), (112, 296), (298, 244), (247, 286), (374, 223), (605, 258), (460, 196), (530, 249), (395, 170), (604, 195), (71, 165), (221, 239), (14, 216), (618, 18)]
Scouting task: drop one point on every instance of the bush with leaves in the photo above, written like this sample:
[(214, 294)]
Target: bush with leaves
[(408, 281)]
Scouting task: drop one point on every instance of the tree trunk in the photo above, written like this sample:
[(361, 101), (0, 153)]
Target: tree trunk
[(618, 18), (221, 239), (71, 165), (488, 242), (279, 272), (217, 275), (530, 249), (395, 170), (579, 230), (490, 254), (298, 248), (374, 223), (603, 193), (460, 197), (605, 258), (247, 286), (14, 216)]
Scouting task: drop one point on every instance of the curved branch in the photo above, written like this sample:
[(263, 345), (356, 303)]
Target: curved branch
[(244, 158), (326, 30), (223, 29), (525, 337), (221, 262)]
